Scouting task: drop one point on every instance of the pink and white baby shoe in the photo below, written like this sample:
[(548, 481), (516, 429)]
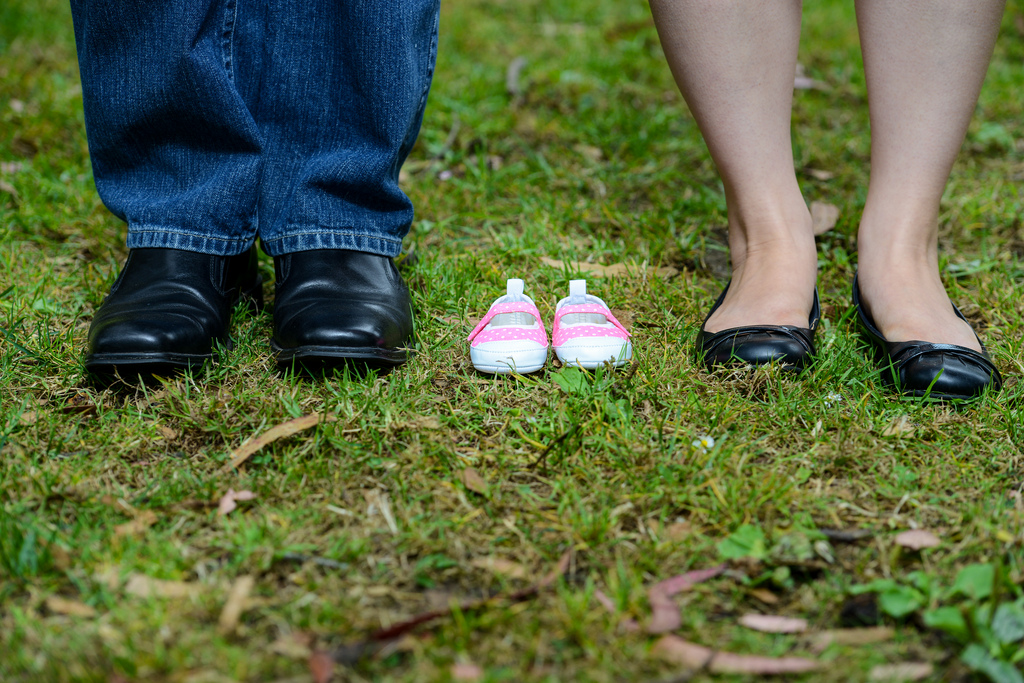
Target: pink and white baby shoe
[(511, 337), (586, 334)]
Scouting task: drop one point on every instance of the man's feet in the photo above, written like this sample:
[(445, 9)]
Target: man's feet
[(334, 306), (167, 309)]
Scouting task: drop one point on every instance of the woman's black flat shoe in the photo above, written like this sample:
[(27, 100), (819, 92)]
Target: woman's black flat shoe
[(943, 372), (789, 346)]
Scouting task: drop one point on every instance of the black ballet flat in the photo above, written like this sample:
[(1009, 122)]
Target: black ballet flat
[(791, 347), (940, 372)]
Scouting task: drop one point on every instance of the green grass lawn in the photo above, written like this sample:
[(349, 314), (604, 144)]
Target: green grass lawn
[(370, 518)]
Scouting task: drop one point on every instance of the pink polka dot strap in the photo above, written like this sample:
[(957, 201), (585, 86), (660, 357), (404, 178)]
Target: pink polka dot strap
[(510, 332), (564, 333)]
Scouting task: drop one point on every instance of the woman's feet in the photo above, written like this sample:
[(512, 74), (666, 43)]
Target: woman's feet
[(935, 370), (907, 301), (791, 346), (768, 312), (773, 285)]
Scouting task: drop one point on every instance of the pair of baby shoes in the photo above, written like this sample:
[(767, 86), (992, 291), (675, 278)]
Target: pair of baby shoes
[(512, 336)]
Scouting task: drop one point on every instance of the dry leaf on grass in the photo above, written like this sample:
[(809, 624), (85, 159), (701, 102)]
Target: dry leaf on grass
[(147, 587), (7, 188), (902, 672), (627, 625), (61, 558), (900, 426), (664, 610), (465, 671), (294, 645), (678, 531), (605, 601), (321, 666), (235, 604), (229, 501), (770, 623), (820, 174), (378, 501), (917, 539), (512, 570), (801, 81), (824, 216), (425, 422), (74, 608), (472, 480), (79, 404), (143, 520), (765, 596), (849, 636), (614, 270), (249, 448), (678, 651)]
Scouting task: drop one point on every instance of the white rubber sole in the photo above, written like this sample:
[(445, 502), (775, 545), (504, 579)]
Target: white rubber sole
[(504, 362), (591, 353)]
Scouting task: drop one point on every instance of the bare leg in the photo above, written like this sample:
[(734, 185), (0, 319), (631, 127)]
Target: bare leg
[(734, 62), (925, 61)]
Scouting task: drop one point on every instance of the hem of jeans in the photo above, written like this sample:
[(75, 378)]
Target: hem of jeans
[(332, 239), (142, 237)]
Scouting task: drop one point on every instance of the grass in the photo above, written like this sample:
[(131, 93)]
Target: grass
[(597, 161)]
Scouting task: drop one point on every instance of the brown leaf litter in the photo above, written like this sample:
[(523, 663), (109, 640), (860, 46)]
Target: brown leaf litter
[(901, 672), (144, 586), (229, 501), (678, 651), (235, 605), (472, 480), (852, 637), (285, 429), (917, 539), (770, 623), (58, 605), (824, 217), (614, 270), (665, 615)]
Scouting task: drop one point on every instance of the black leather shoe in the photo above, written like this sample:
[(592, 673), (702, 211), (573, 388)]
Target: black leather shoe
[(944, 372), (335, 305), (791, 347), (166, 310)]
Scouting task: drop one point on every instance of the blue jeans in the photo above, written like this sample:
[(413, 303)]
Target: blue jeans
[(212, 122)]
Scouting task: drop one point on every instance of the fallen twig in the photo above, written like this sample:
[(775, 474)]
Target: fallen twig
[(353, 652), (551, 446), (846, 535)]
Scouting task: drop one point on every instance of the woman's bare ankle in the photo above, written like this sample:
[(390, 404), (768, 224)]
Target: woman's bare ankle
[(773, 285), (905, 297)]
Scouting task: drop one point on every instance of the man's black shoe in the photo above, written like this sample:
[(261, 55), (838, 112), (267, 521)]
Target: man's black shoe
[(334, 306), (167, 309)]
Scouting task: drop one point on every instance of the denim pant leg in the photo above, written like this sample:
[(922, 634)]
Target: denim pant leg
[(343, 85), (175, 150)]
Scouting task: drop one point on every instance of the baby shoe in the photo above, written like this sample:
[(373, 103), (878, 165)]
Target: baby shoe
[(586, 334), (511, 337)]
